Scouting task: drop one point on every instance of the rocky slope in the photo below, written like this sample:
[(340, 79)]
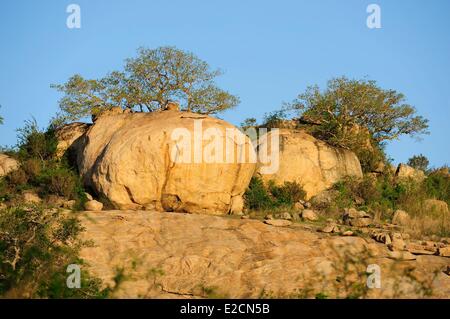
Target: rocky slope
[(169, 255)]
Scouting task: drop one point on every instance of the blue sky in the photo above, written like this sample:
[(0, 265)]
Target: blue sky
[(270, 51)]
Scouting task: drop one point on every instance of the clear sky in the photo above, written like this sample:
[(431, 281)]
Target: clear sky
[(270, 51)]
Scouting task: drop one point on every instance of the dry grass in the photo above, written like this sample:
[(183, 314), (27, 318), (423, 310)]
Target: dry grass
[(428, 223)]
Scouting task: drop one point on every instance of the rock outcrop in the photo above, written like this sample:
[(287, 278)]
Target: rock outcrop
[(183, 255), (436, 206), (310, 162), (407, 172), (69, 137), (167, 160), (7, 164)]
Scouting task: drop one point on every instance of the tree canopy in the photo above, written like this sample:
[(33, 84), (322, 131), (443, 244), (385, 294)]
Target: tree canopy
[(358, 115), (147, 83), (419, 162), (348, 109)]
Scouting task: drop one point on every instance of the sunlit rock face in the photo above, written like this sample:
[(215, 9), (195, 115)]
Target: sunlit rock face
[(312, 163), (167, 160)]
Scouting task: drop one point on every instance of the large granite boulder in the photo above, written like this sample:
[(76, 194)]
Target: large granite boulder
[(167, 160), (308, 161), (436, 206), (405, 172), (69, 137)]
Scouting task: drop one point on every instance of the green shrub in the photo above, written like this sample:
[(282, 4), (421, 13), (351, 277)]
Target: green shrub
[(36, 246), (257, 196), (36, 143), (18, 177), (419, 162), (437, 186), (59, 181), (260, 197), (32, 167), (370, 159), (287, 194), (377, 195), (40, 170)]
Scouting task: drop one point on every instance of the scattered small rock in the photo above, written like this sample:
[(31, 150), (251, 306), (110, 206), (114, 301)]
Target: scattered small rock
[(444, 251), (360, 222), (397, 244), (30, 197), (307, 205), (401, 255), (245, 217), (299, 206), (351, 213), (382, 237), (278, 222), (400, 218), (268, 216), (330, 228), (286, 216), (89, 196), (93, 205), (418, 249), (69, 204), (347, 233), (310, 215)]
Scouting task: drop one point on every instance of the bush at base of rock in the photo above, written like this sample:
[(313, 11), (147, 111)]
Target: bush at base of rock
[(261, 195)]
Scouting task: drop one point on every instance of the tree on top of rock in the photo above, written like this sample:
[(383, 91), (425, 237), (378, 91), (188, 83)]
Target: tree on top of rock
[(419, 162), (357, 114), (147, 83)]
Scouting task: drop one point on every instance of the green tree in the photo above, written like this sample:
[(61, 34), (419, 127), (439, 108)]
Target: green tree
[(349, 109), (419, 162), (357, 114), (147, 83), (249, 122)]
